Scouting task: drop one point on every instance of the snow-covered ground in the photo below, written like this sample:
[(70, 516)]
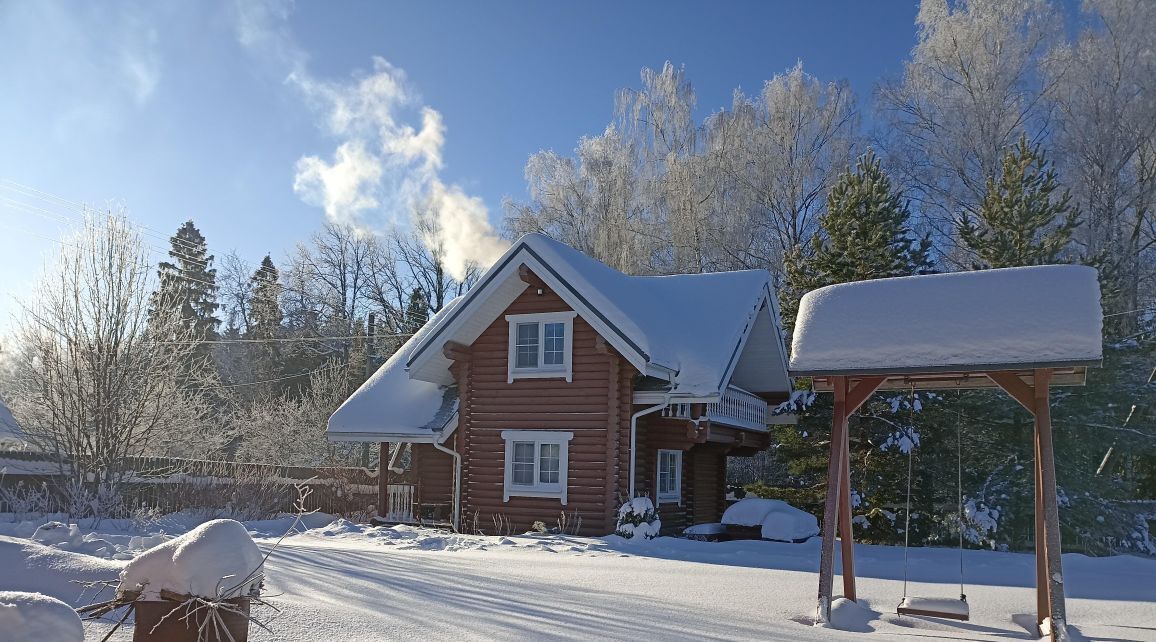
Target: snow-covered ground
[(344, 581)]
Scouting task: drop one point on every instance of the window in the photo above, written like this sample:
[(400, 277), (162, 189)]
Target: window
[(536, 462), (540, 345), (669, 476)]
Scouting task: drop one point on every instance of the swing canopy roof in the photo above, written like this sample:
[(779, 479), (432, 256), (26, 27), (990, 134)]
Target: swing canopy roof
[(947, 330)]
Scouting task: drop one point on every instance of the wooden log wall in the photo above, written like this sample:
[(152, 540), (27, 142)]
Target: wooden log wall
[(595, 406)]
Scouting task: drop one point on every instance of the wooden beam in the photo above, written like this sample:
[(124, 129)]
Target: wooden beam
[(1042, 599), (527, 275), (831, 506), (1017, 388), (455, 351), (862, 391), (846, 539), (1047, 466)]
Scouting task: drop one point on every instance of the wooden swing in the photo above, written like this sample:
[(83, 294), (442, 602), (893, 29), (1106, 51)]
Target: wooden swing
[(949, 608)]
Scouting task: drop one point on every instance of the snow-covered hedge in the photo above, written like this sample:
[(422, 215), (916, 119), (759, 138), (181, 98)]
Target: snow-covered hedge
[(637, 519)]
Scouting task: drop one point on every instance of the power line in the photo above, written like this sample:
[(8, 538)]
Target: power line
[(282, 339), (285, 378)]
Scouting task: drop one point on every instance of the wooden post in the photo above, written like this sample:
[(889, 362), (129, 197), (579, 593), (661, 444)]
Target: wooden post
[(830, 509), (846, 540), (1047, 470), (1042, 601)]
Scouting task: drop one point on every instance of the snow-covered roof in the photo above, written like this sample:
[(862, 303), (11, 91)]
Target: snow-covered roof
[(691, 329), (391, 406), (1040, 316)]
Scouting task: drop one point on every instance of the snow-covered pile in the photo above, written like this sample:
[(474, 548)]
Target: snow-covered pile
[(637, 519), (1025, 315), (35, 616), (779, 520), (215, 559)]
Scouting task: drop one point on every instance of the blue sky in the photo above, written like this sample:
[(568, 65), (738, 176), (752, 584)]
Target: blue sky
[(206, 110)]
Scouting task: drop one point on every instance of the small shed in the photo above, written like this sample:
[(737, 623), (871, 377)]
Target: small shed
[(1019, 329)]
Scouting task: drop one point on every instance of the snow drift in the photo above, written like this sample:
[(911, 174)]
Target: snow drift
[(35, 616)]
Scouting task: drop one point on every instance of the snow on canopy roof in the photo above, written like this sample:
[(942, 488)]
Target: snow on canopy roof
[(390, 405), (1046, 315), (689, 324)]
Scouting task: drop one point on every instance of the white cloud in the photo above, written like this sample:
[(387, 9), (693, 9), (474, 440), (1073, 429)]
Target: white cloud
[(384, 162)]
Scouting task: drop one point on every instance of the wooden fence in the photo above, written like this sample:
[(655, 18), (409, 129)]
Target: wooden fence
[(39, 482)]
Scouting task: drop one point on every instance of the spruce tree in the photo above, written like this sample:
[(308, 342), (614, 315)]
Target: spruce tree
[(187, 288), (417, 311), (265, 318), (1024, 218), (865, 234)]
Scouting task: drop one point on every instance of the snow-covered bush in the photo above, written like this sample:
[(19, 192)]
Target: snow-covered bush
[(34, 616), (637, 519)]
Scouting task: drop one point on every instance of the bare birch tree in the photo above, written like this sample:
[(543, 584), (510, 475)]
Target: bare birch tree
[(971, 87), (95, 388)]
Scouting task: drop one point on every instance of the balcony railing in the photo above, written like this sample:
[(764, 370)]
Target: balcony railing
[(400, 503), (736, 408)]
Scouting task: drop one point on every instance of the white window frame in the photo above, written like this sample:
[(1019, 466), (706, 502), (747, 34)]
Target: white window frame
[(542, 371), (676, 496), (537, 489)]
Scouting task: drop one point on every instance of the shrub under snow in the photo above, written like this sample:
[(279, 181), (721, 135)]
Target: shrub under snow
[(217, 559), (35, 616), (637, 519)]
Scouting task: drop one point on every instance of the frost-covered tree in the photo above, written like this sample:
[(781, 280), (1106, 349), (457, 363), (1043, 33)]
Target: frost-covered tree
[(970, 88), (1025, 217), (783, 148), (1105, 131), (100, 372)]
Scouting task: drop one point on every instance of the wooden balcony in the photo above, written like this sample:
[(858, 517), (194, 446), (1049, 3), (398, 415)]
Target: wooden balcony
[(737, 408)]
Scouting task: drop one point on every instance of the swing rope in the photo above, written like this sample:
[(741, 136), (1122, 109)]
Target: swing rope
[(958, 489)]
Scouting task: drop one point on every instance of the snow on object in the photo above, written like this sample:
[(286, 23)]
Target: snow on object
[(1048, 314), (694, 343), (389, 403), (779, 520), (55, 533), (637, 520), (210, 561), (35, 616), (11, 435)]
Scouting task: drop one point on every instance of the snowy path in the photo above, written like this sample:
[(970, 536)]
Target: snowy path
[(354, 583)]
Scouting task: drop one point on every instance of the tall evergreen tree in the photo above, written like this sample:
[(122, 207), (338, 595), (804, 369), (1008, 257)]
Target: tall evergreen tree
[(865, 235), (417, 311), (187, 288), (1024, 217), (265, 318)]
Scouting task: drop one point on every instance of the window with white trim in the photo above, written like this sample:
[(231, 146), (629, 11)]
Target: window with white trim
[(536, 463), (541, 345), (669, 483)]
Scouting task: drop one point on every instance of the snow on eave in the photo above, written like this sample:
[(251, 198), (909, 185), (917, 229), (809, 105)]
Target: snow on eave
[(391, 406), (685, 328), (1006, 319)]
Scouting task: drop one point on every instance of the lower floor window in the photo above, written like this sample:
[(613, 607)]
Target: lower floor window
[(536, 462), (669, 476)]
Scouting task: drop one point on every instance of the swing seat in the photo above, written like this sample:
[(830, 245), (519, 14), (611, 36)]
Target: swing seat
[(952, 609)]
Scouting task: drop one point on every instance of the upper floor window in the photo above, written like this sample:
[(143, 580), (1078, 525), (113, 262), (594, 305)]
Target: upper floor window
[(541, 344)]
